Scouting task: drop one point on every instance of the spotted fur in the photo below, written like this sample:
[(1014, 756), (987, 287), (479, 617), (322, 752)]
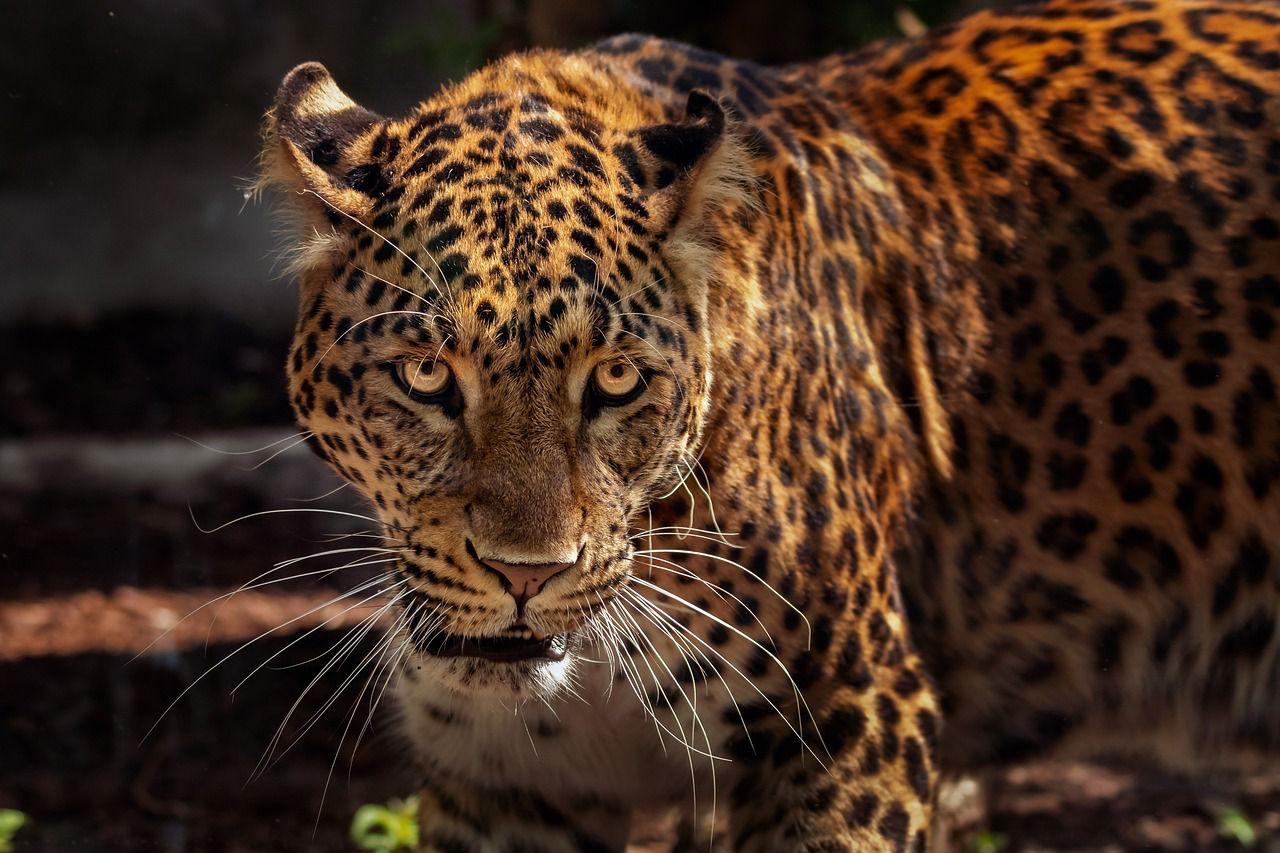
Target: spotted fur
[(966, 344)]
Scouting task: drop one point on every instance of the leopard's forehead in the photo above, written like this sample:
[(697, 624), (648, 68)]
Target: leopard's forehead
[(510, 194), (516, 228)]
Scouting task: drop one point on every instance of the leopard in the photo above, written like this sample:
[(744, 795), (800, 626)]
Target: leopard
[(765, 443)]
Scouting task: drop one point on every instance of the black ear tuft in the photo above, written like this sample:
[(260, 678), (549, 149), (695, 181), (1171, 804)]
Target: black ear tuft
[(704, 108), (684, 144)]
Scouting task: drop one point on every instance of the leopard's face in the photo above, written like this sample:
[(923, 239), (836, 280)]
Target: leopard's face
[(496, 347)]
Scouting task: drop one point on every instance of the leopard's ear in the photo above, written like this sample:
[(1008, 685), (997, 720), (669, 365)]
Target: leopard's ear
[(674, 150), (317, 143), (689, 169)]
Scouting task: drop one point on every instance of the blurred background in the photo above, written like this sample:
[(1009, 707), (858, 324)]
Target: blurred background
[(144, 330)]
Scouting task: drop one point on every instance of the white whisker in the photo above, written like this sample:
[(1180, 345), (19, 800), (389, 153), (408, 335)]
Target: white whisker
[(256, 450)]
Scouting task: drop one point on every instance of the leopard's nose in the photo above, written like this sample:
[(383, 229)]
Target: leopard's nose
[(524, 580)]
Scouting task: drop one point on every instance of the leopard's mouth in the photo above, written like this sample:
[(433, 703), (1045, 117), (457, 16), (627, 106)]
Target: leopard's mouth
[(517, 643)]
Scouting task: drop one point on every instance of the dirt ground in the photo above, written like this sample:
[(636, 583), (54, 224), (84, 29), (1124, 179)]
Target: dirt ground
[(77, 757), (75, 752)]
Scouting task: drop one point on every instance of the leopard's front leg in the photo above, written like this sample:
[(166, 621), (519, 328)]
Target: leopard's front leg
[(862, 779), (457, 816)]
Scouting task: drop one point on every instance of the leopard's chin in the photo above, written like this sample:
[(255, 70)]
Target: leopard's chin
[(502, 667), (514, 645)]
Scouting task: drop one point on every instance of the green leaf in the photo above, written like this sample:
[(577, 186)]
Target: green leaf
[(389, 828), (11, 820), (1235, 825), (987, 841)]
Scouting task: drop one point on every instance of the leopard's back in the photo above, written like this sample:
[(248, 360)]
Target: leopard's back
[(1101, 572)]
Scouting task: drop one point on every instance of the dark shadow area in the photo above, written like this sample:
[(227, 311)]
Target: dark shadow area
[(76, 759), (1079, 807), (149, 369)]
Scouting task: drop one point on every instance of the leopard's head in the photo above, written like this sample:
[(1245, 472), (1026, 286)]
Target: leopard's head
[(503, 339)]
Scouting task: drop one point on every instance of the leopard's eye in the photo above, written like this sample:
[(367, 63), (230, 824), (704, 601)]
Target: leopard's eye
[(616, 382), (424, 378)]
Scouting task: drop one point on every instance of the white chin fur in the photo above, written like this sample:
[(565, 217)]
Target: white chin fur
[(530, 679)]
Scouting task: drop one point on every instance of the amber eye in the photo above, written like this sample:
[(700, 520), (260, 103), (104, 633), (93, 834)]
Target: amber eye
[(616, 381), (424, 378)]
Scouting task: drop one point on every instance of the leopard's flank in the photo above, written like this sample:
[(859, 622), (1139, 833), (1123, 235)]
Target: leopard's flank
[(767, 441)]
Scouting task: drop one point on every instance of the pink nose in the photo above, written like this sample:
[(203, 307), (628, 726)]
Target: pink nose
[(525, 580)]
